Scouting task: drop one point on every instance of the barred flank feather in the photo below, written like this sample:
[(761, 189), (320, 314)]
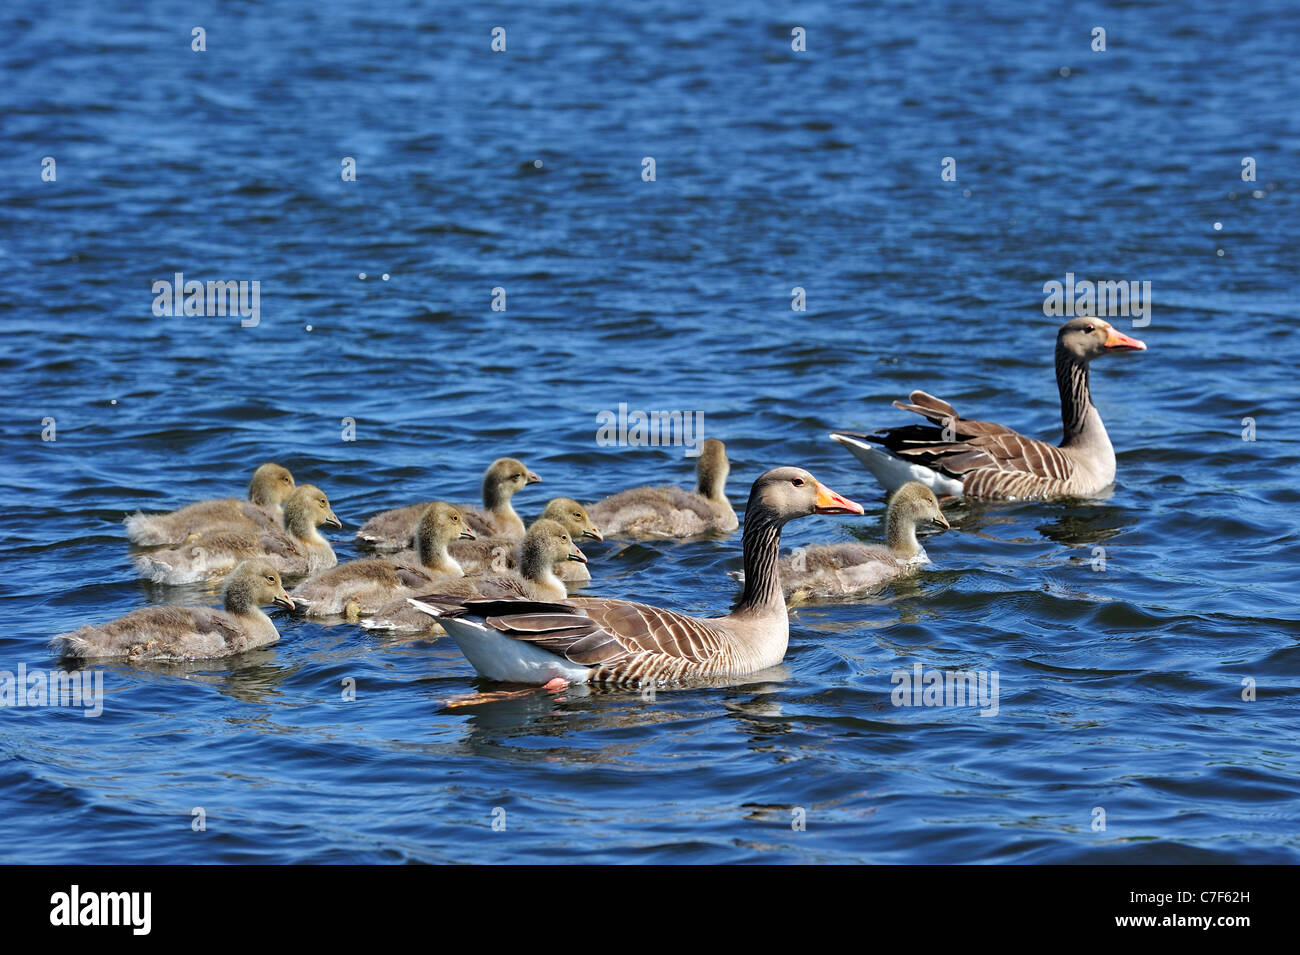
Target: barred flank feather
[(621, 642)]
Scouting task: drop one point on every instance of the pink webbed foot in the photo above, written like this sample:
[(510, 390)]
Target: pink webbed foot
[(557, 685)]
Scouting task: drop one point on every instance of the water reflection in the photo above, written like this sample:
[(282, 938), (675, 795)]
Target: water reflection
[(581, 708), (1079, 527)]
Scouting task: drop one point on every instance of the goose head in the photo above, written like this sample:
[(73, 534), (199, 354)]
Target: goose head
[(913, 505), (779, 495), (573, 517), (916, 503), (711, 469), (1087, 338), (271, 486), (307, 509), (503, 478), (783, 494), (547, 545), (440, 524), (255, 583)]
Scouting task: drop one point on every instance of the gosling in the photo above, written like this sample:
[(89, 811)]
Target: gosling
[(547, 546), (394, 529), (297, 550), (188, 633), (362, 587), (489, 555), (673, 511), (842, 570), (264, 509)]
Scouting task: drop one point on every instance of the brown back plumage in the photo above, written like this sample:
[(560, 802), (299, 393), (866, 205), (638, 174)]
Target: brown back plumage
[(993, 461)]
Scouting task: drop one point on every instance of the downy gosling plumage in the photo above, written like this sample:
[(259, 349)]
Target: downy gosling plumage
[(394, 529), (362, 587), (673, 511), (297, 550), (188, 633), (837, 570), (494, 555), (547, 547), (267, 492)]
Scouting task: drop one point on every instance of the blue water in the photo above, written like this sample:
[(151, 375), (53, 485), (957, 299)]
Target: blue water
[(1120, 689)]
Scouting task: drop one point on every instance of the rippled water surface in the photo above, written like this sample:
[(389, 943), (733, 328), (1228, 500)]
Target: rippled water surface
[(1121, 688)]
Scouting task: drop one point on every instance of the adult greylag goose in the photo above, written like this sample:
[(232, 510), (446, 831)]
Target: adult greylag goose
[(364, 586), (297, 550), (599, 640), (546, 548), (837, 570), (269, 489), (188, 633), (671, 511), (978, 459), (488, 555), (394, 529)]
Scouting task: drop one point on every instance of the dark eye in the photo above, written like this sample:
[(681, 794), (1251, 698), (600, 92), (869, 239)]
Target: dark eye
[(797, 482), (1089, 328), (270, 580), (323, 504), (285, 480), (455, 517)]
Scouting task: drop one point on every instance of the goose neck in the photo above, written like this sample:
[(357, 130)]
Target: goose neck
[(1076, 396), (900, 534), (762, 545), (535, 563), (239, 601), (298, 522), (435, 556), (496, 496)]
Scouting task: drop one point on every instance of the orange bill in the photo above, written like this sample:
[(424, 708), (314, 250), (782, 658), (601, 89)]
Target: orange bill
[(1118, 340), (828, 502)]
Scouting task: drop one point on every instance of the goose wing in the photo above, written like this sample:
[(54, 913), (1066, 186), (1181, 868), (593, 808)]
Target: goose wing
[(960, 446), (594, 631), (278, 544), (480, 523), (484, 554), (392, 529), (411, 576)]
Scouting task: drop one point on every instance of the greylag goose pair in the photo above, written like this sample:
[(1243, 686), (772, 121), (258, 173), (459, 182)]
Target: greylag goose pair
[(840, 570), (394, 529), (599, 640), (977, 459), (188, 633), (267, 492), (547, 548), (672, 511), (296, 550)]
